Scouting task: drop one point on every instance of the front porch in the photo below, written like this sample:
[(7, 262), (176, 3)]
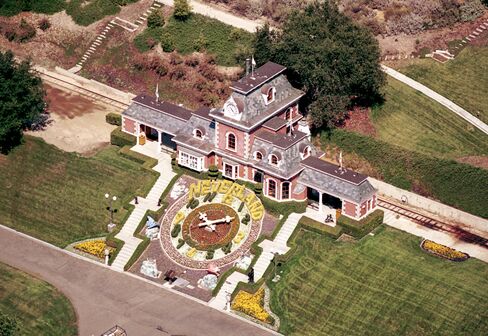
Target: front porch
[(152, 141)]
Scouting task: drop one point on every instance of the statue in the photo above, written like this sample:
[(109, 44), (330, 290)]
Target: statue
[(150, 269)]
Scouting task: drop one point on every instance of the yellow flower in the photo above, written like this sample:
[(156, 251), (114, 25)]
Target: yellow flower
[(442, 250), (93, 247), (251, 304)]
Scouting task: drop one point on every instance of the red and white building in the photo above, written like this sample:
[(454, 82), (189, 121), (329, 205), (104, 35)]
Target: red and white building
[(258, 135)]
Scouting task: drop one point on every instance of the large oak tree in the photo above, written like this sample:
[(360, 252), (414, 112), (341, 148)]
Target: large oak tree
[(22, 103), (334, 60)]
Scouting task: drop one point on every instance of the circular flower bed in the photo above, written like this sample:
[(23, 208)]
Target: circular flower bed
[(443, 251), (200, 237)]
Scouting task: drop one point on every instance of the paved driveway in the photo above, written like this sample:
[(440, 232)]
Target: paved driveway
[(103, 298)]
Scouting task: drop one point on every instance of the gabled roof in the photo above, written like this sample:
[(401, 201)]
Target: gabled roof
[(334, 170), (163, 107), (255, 79)]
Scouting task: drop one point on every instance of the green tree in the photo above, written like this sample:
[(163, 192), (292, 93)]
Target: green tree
[(22, 103), (8, 325), (155, 19), (182, 9), (328, 55)]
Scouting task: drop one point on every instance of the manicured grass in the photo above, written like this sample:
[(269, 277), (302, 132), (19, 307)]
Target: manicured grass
[(415, 122), (464, 80), (200, 33), (14, 7), (460, 185), (382, 285), (59, 197), (86, 12), (37, 306)]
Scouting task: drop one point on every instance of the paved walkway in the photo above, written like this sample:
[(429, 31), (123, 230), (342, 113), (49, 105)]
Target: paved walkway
[(103, 298), (149, 203), (221, 15), (443, 238), (437, 97)]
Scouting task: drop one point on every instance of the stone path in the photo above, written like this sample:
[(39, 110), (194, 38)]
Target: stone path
[(397, 221), (221, 15), (149, 203), (129, 26), (438, 98)]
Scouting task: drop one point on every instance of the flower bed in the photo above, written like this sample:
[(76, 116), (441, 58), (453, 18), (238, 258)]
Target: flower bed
[(443, 251), (202, 239), (94, 247), (252, 305)]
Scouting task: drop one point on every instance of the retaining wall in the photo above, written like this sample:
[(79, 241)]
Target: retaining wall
[(429, 205)]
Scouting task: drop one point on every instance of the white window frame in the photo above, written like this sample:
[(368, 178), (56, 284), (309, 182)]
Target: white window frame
[(307, 150), (227, 142), (235, 170), (289, 189), (273, 94), (271, 160), (256, 155), (195, 134), (267, 188), (190, 161)]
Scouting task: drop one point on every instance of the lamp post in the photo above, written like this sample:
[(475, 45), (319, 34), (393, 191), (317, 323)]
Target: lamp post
[(111, 225)]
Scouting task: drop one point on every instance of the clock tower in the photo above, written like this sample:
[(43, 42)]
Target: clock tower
[(231, 109)]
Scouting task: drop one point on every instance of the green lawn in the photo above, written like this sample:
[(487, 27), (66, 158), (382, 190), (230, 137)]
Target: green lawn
[(415, 122), (59, 197), (382, 285), (464, 80), (200, 33), (37, 306)]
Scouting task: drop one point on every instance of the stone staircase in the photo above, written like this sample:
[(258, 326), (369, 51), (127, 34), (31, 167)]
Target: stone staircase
[(149, 203), (129, 26), (220, 300)]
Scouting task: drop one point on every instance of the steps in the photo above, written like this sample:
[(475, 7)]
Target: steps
[(220, 300)]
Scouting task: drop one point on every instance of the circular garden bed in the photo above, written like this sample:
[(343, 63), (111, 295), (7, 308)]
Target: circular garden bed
[(196, 235)]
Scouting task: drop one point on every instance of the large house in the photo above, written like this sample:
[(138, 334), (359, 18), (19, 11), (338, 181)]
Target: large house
[(258, 135)]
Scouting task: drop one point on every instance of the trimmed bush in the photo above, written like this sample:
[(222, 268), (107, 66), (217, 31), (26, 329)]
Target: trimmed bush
[(246, 219), (113, 119), (155, 19), (321, 228), (258, 189), (121, 139), (359, 229), (176, 231), (190, 201), (210, 254), (213, 172), (241, 207), (181, 242)]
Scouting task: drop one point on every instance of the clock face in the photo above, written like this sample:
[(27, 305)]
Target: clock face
[(231, 110)]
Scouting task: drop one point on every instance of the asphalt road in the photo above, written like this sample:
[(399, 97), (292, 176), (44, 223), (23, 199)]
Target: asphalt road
[(103, 298)]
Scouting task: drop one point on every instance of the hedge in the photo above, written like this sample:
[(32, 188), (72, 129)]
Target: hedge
[(359, 229), (146, 161), (121, 139), (113, 119), (318, 227)]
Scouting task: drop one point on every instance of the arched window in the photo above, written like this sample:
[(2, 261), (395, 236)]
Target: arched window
[(285, 190), (306, 152), (198, 134), (258, 155), (288, 114), (271, 188), (231, 141), (274, 159), (270, 96)]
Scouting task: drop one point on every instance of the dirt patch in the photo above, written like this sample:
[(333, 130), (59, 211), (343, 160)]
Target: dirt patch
[(78, 124), (477, 161), (358, 120)]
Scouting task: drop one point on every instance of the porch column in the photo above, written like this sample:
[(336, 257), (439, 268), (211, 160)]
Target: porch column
[(320, 201), (159, 142), (138, 132)]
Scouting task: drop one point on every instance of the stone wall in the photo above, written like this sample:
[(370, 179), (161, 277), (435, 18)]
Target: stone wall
[(429, 205)]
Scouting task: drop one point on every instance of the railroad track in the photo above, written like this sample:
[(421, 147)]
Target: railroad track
[(92, 96), (434, 224)]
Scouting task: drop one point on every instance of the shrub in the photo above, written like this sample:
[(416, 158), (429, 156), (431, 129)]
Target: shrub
[(167, 43), (194, 204), (121, 139), (241, 207), (227, 248), (212, 196), (359, 229), (155, 19), (113, 119), (246, 219), (44, 24), (207, 196), (213, 172), (176, 231), (182, 9), (210, 254), (189, 202), (181, 242), (258, 188)]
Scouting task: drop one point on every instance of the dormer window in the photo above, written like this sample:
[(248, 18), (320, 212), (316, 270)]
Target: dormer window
[(270, 96), (231, 141), (198, 134), (306, 152), (258, 155), (273, 160)]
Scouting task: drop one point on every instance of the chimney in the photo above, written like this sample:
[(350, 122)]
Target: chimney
[(248, 66)]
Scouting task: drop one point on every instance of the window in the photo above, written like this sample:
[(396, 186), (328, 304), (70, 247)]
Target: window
[(258, 176), (230, 170), (306, 152), (212, 124), (271, 188), (274, 159), (190, 161), (285, 190), (288, 114), (198, 134), (258, 155), (271, 95), (231, 141)]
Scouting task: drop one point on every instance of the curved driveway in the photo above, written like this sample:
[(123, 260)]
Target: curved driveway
[(103, 298)]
